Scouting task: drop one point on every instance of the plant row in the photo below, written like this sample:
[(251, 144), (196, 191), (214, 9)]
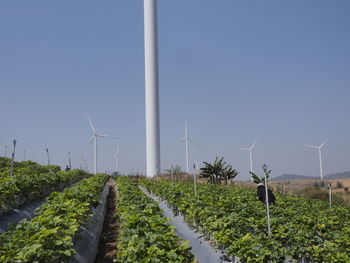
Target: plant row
[(235, 220), (145, 235), (49, 236), (21, 188), (24, 167)]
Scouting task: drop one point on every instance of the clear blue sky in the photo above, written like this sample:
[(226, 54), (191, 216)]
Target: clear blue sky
[(276, 71)]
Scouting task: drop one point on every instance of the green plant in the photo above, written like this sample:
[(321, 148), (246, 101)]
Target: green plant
[(49, 236), (259, 180), (145, 235)]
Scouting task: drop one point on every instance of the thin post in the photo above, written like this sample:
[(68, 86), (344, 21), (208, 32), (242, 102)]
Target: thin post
[(48, 159), (24, 156), (330, 195), (69, 160), (13, 156), (195, 180), (6, 151), (267, 208), (284, 188), (151, 88)]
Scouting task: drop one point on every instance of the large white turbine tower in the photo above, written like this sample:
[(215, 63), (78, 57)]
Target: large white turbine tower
[(186, 138), (319, 154), (151, 88), (251, 149), (94, 138)]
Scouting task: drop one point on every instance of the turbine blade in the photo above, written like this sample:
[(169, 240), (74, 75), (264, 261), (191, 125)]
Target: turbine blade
[(323, 143), (251, 148), (106, 136), (92, 138), (195, 142), (179, 140), (312, 146), (91, 125), (243, 149), (110, 158)]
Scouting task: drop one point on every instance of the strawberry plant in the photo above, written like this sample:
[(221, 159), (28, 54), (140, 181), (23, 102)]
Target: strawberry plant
[(49, 236), (234, 219), (145, 235)]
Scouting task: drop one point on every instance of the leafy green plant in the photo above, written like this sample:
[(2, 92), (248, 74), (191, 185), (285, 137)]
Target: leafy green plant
[(49, 236), (261, 180), (145, 235), (235, 221)]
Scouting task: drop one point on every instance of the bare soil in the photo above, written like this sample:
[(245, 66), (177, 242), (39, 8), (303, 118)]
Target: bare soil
[(108, 241)]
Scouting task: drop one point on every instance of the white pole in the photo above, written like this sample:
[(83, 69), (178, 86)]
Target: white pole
[(187, 154), (13, 157), (48, 159), (320, 156), (5, 150), (95, 155), (284, 189), (116, 160), (70, 162), (330, 196), (195, 180), (24, 156), (151, 88), (267, 208), (251, 162)]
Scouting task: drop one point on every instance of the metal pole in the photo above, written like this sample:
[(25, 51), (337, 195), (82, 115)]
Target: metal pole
[(48, 159), (24, 157), (267, 208), (13, 156), (251, 162), (195, 180), (284, 189), (330, 195), (70, 162), (151, 88), (5, 150), (95, 155)]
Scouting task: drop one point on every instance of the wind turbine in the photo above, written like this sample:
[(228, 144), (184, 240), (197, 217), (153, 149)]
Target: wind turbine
[(117, 157), (186, 138), (251, 149), (319, 154), (94, 138)]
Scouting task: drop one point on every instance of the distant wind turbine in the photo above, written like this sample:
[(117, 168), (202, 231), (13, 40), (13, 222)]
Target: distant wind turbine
[(117, 157), (186, 138), (94, 138), (319, 154), (251, 149)]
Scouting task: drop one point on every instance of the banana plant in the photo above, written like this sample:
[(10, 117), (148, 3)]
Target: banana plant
[(261, 180)]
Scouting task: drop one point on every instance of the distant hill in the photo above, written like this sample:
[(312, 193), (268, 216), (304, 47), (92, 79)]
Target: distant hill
[(292, 177), (304, 177), (338, 175)]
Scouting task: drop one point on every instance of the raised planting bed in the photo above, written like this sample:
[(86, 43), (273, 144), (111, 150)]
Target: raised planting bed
[(234, 220), (145, 235), (50, 236), (20, 189)]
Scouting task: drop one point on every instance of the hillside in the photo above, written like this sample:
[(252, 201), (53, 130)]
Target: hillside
[(338, 175), (292, 177)]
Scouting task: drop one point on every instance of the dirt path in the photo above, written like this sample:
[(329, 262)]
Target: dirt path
[(108, 242)]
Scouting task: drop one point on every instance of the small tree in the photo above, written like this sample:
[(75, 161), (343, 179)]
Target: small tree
[(218, 171), (228, 173), (174, 172), (213, 171)]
